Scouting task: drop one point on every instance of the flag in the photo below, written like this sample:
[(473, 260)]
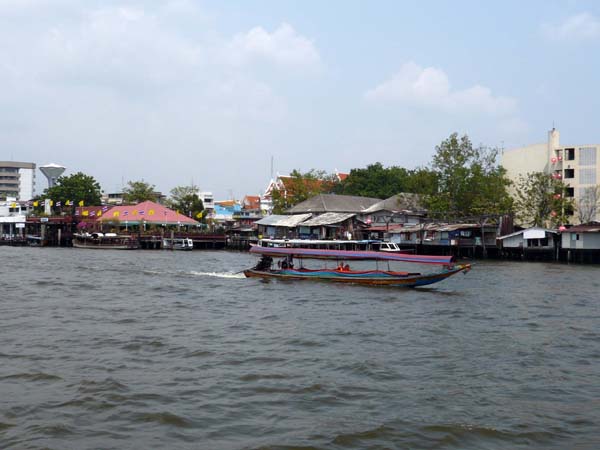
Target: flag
[(104, 208), (51, 203), (80, 202), (86, 213), (58, 204), (68, 203), (141, 212), (134, 212), (199, 215), (125, 213), (151, 212), (93, 213), (13, 205), (99, 213), (116, 214), (36, 204), (190, 214)]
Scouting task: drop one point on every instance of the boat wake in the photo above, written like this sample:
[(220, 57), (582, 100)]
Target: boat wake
[(219, 274)]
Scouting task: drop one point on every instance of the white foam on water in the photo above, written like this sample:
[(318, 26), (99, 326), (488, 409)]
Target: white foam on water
[(219, 274)]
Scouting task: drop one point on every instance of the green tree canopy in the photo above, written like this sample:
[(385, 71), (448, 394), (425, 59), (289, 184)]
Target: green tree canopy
[(185, 200), (470, 180), (378, 181), (139, 191), (75, 188), (301, 186), (540, 200)]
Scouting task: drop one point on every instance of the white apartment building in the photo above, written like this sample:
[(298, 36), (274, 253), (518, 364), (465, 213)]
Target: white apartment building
[(575, 165), (17, 179)]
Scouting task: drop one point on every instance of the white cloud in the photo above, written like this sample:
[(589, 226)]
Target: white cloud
[(284, 46), (430, 88), (579, 27)]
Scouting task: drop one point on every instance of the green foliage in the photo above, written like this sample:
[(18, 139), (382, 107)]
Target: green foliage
[(377, 181), (540, 200), (74, 188), (185, 200), (470, 182), (139, 191), (301, 186)]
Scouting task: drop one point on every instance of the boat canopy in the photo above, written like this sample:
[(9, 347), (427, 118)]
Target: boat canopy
[(314, 253)]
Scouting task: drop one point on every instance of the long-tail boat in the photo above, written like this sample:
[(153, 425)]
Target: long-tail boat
[(285, 268)]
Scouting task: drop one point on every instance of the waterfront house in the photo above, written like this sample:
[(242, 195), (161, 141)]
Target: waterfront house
[(581, 243), (330, 225), (278, 226), (388, 217), (531, 243)]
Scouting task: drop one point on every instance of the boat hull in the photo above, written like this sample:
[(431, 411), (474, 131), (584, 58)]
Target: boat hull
[(369, 278)]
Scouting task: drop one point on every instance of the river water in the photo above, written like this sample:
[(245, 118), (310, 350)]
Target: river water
[(158, 349)]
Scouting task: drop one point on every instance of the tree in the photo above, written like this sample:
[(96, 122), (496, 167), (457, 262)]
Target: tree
[(185, 200), (470, 182), (378, 181), (139, 191), (587, 206), (301, 186), (540, 200), (74, 189)]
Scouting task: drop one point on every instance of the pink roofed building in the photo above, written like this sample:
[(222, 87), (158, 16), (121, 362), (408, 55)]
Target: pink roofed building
[(146, 212)]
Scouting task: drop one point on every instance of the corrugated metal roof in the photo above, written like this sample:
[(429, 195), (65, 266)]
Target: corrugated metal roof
[(405, 202), (330, 218), (334, 203), (277, 220), (516, 233), (590, 227)]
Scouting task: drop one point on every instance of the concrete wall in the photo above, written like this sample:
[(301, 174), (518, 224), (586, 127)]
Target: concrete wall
[(26, 184)]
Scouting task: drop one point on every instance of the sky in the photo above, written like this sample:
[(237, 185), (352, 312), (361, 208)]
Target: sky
[(223, 94)]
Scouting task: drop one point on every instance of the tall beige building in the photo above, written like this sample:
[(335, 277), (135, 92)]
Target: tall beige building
[(17, 180), (574, 164)]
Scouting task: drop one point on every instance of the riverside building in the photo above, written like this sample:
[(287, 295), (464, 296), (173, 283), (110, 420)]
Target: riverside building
[(17, 180), (575, 165)]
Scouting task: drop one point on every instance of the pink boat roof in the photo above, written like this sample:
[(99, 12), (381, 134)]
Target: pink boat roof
[(148, 211)]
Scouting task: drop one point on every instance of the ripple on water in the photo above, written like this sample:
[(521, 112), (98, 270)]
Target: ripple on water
[(163, 418), (35, 376)]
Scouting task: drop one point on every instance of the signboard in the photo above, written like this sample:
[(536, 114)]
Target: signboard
[(43, 219), (20, 225)]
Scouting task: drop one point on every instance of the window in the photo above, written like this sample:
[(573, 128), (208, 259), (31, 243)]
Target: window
[(569, 154), (569, 192), (587, 156), (587, 176), (569, 173)]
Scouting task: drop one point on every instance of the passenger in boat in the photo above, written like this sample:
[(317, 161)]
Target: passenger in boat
[(287, 263), (264, 263), (346, 268)]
